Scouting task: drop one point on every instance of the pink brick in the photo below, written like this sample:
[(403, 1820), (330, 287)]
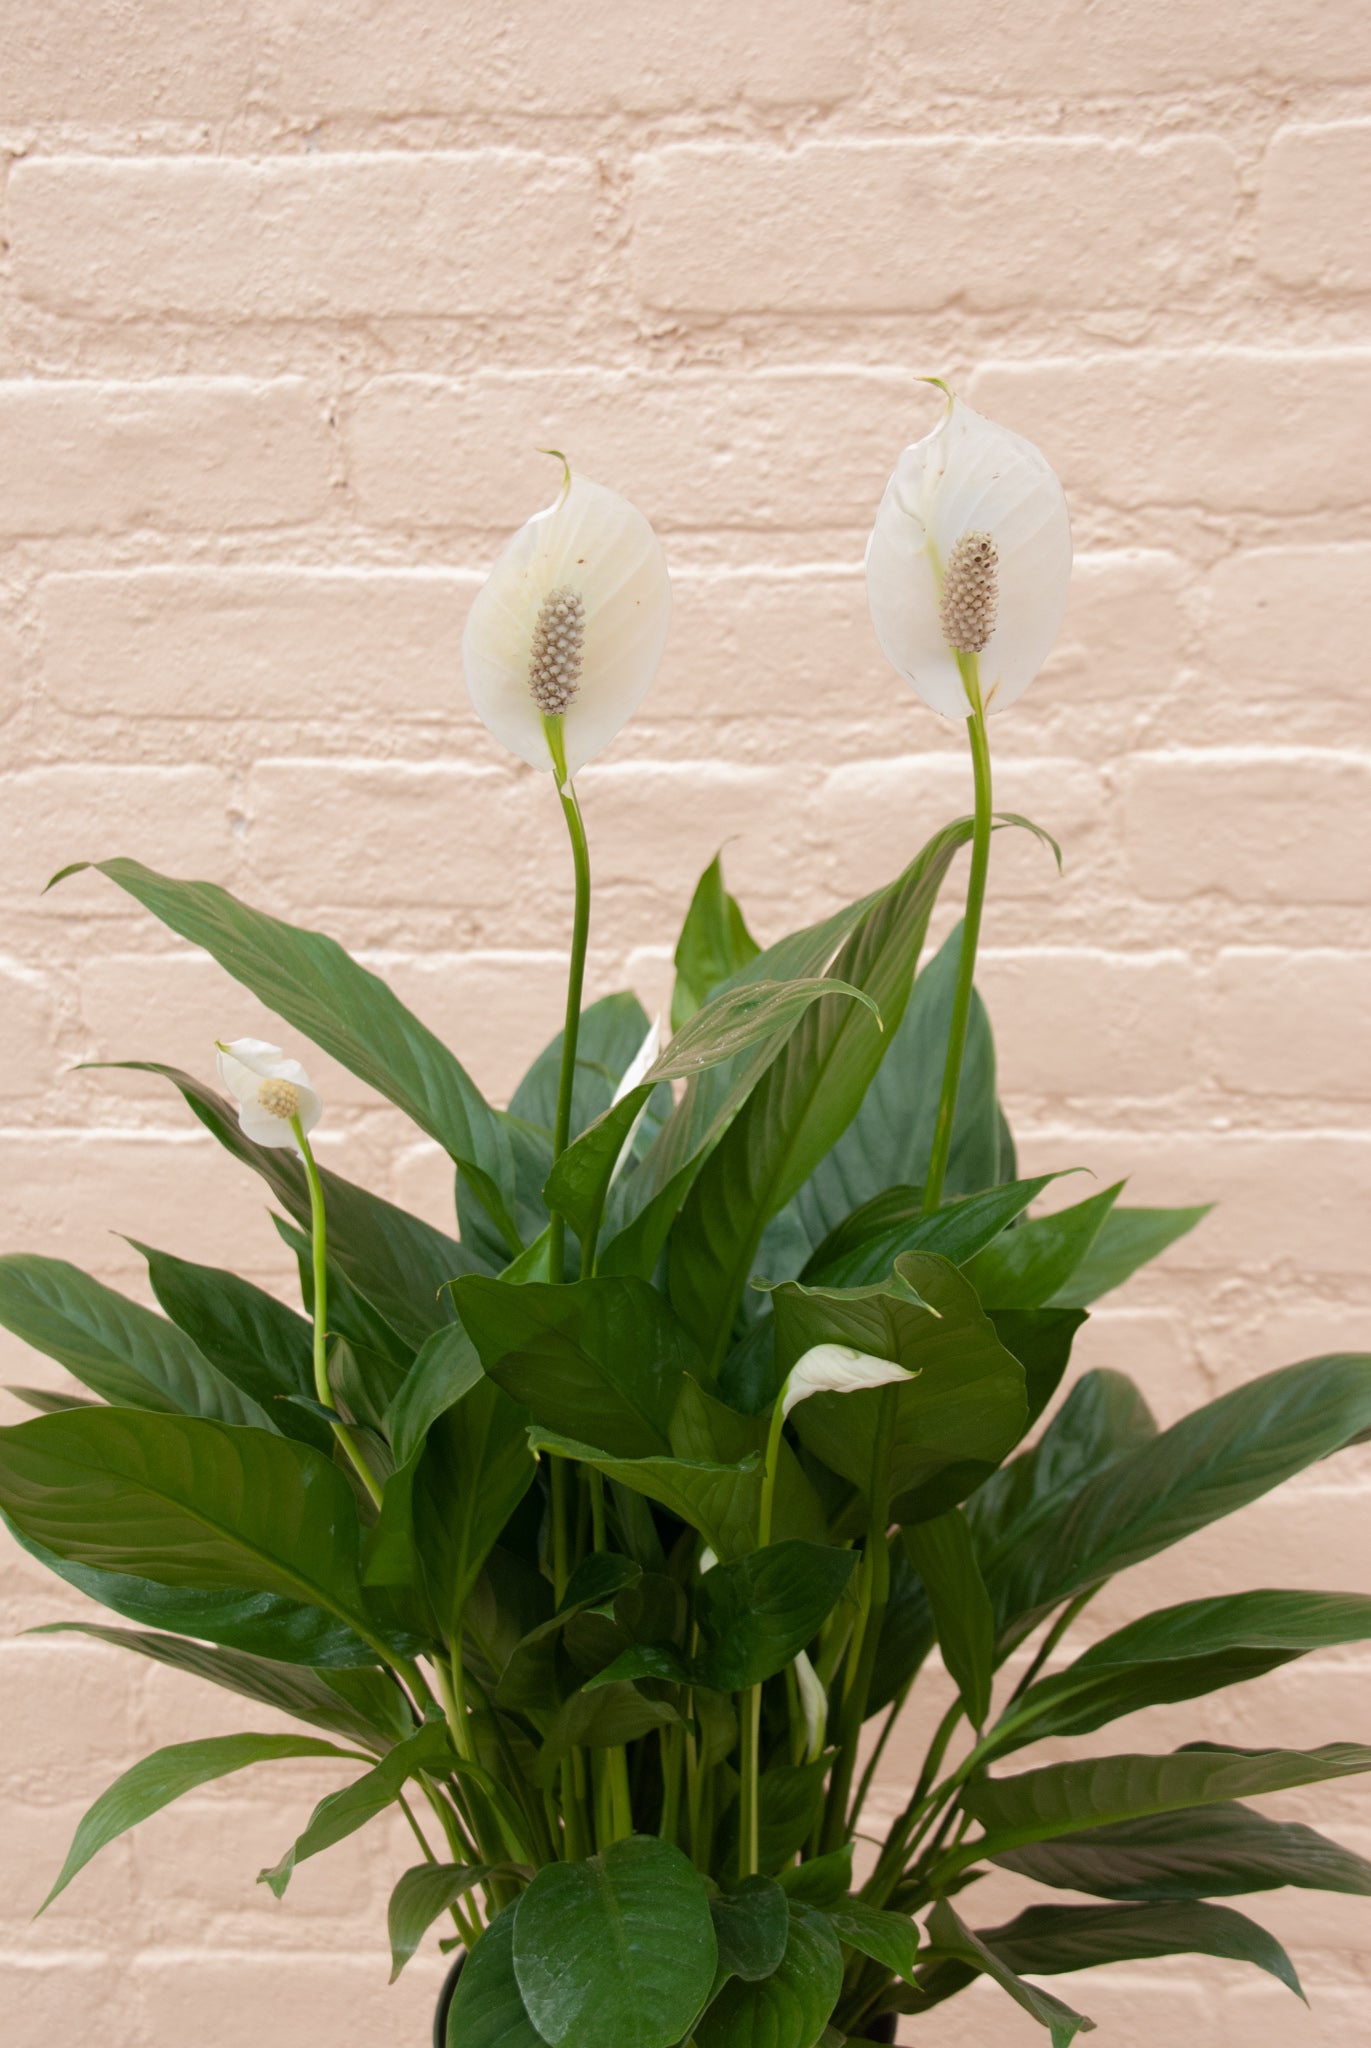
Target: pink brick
[(187, 454), (693, 449), (1279, 1023), (908, 226), (1124, 634), (176, 819), (1232, 430), (97, 60), (1241, 822), (1272, 616), (239, 2000), (405, 57), (278, 644), (301, 237), (1121, 47), (1308, 234), (28, 1025), (1085, 1023), (11, 677)]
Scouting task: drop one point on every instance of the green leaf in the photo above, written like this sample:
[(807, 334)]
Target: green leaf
[(186, 1502), (1046, 1940), (396, 1262), (951, 1935), (609, 1037), (602, 1358), (488, 2011), (788, 2009), (1061, 1798), (254, 1340), (422, 1896), (1180, 1652), (719, 1500), (942, 1553), (751, 1924), (1128, 1239), (125, 1354), (444, 1372), (342, 1813), (888, 1938), (1026, 1267), (620, 1948), (715, 944), (309, 980), (756, 1614), (1041, 1340), (1207, 1465), (790, 1800), (167, 1775), (864, 1247), (962, 1410), (801, 1105), (47, 1400), (365, 1705), (890, 1139), (819, 1880), (1196, 1851), (475, 1469)]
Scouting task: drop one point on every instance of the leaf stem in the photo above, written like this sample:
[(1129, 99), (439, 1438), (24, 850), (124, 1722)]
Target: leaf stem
[(969, 664), (319, 1245)]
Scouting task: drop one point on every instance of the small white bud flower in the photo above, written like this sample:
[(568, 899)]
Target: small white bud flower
[(837, 1369), (270, 1090), (814, 1702), (970, 554)]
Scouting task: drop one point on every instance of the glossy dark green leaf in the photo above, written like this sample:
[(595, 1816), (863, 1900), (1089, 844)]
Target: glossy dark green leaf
[(603, 1718), (488, 2011), (422, 1896), (888, 1938), (186, 1502), (751, 1924), (1041, 1340), (719, 1500), (819, 1880), (1046, 1940), (254, 1340), (49, 1400), (1027, 1267), (756, 1614), (790, 1800), (1195, 1852), (942, 1553), (1128, 1239), (167, 1775), (620, 1948), (446, 1369), (1179, 1653), (890, 1139), (864, 1247), (714, 945), (950, 1935), (364, 1705), (1207, 1465), (801, 1106), (1060, 1799), (342, 1813), (602, 1358), (309, 980), (121, 1351), (791, 2007), (475, 1469), (962, 1410)]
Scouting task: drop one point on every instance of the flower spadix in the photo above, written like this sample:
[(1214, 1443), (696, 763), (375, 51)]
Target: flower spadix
[(970, 556), (271, 1091), (565, 634), (837, 1369)]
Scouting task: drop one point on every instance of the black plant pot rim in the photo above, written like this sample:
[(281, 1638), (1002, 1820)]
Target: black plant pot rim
[(882, 2029)]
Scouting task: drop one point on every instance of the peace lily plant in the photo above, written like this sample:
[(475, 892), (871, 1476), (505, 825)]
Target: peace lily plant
[(604, 1537)]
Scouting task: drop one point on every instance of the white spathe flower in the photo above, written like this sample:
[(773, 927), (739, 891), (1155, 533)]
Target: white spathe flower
[(971, 552), (837, 1369), (271, 1091), (571, 622)]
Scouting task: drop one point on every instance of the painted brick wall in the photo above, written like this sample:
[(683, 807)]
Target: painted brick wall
[(289, 295)]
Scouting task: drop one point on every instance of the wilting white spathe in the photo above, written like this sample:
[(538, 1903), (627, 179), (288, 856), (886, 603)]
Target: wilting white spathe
[(571, 622), (814, 1703), (837, 1369), (973, 491), (270, 1090)]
